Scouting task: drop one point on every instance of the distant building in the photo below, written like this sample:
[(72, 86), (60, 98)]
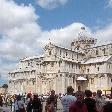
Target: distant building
[(83, 65)]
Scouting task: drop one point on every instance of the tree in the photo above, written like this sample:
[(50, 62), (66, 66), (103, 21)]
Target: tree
[(5, 86)]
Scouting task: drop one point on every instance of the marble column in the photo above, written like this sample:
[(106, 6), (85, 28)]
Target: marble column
[(63, 83), (54, 85), (67, 81), (75, 83), (40, 85)]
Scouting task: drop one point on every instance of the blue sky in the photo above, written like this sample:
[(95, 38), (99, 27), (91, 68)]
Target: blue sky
[(27, 25), (90, 12)]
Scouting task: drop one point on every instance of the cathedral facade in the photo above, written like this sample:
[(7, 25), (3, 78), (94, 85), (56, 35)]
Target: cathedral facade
[(84, 65)]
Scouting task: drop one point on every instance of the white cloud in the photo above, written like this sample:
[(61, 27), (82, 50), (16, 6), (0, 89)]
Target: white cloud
[(50, 4), (63, 36), (18, 31), (104, 35), (18, 28), (110, 3), (12, 15)]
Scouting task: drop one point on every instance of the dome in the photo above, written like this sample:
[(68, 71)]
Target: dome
[(84, 37)]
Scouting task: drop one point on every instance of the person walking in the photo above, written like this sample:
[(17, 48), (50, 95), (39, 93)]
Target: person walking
[(29, 103), (19, 105), (107, 107), (36, 104), (68, 99), (90, 102), (51, 103), (79, 105), (100, 101)]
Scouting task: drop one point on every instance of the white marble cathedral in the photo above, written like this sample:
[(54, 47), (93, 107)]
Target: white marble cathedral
[(84, 65)]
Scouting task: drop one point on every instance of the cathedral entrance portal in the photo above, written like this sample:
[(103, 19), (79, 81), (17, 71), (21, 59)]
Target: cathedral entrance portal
[(82, 83)]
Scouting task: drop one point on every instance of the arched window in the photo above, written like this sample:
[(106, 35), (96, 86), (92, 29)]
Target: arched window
[(72, 65), (98, 68), (49, 52), (33, 82), (104, 51), (59, 64), (72, 56), (88, 70), (28, 63), (52, 64), (66, 54), (60, 52), (92, 80), (96, 52), (77, 56), (77, 48), (73, 79)]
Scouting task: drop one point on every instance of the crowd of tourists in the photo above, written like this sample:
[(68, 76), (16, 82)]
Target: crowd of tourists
[(85, 101), (79, 101)]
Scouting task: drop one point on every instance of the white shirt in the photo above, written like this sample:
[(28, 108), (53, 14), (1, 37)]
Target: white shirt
[(66, 102), (27, 101)]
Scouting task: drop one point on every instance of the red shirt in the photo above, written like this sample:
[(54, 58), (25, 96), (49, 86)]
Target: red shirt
[(76, 107)]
